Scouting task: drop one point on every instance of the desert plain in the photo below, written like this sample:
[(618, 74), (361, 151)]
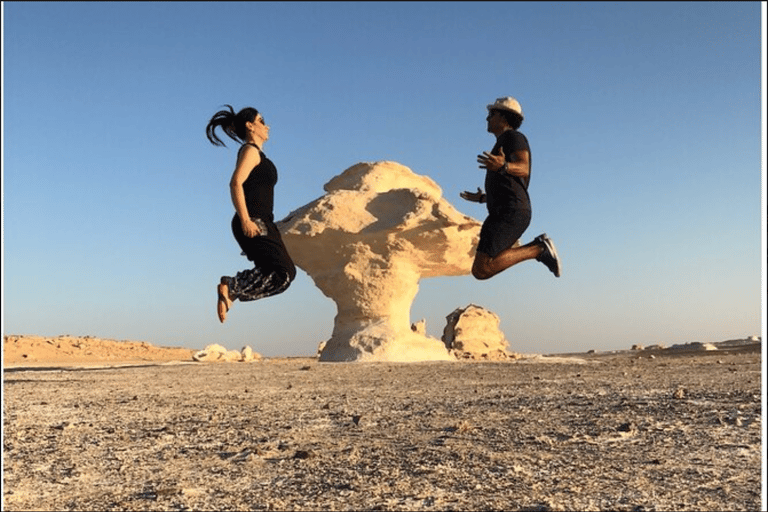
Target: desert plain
[(117, 425)]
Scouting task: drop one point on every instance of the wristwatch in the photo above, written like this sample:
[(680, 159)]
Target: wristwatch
[(504, 168)]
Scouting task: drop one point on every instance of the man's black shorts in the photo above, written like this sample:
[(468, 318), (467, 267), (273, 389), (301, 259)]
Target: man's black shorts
[(502, 230)]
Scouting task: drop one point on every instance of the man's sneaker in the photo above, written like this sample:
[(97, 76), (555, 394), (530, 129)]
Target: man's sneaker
[(549, 256)]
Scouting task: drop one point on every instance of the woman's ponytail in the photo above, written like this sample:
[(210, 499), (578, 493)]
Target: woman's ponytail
[(232, 124)]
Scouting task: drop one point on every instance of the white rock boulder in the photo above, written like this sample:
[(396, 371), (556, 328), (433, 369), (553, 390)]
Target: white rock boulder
[(218, 353), (366, 243), (473, 333)]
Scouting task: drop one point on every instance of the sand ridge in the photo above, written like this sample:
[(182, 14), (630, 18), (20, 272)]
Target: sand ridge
[(64, 350)]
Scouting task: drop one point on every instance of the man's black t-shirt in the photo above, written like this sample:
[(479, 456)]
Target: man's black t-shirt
[(505, 192)]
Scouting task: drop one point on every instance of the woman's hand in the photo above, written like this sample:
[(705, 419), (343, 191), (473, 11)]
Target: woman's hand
[(475, 197), (250, 228)]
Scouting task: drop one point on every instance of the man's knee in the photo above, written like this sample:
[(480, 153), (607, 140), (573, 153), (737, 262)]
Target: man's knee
[(481, 267), (480, 275)]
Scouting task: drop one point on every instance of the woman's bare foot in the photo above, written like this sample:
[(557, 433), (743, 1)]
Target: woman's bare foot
[(223, 304)]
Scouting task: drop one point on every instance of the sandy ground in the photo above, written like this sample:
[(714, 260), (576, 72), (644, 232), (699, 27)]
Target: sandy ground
[(137, 427)]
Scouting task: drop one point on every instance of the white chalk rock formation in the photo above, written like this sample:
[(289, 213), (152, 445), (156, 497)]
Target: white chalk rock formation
[(217, 353), (695, 345), (420, 327), (473, 333), (366, 243)]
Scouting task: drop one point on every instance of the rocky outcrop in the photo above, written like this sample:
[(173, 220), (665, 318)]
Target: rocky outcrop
[(473, 333), (218, 353), (366, 243)]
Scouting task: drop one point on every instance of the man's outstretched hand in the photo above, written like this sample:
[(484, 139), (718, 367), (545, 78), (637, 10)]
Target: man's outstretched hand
[(475, 197), (491, 162)]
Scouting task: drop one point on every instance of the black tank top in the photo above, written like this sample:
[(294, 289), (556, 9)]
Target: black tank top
[(267, 250), (259, 188)]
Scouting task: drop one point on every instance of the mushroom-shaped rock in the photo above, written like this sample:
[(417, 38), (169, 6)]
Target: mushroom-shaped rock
[(366, 244)]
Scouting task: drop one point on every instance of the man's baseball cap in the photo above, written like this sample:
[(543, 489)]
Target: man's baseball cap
[(507, 103)]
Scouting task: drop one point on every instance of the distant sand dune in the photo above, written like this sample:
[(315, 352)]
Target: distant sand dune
[(65, 350), (68, 350)]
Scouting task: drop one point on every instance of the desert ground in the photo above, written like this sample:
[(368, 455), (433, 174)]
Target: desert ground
[(131, 426)]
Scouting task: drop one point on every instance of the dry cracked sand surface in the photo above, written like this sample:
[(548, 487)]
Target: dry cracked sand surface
[(628, 431)]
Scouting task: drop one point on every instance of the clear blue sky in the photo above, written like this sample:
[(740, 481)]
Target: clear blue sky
[(644, 121)]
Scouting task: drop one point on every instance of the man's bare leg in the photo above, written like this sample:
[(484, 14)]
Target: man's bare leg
[(486, 267)]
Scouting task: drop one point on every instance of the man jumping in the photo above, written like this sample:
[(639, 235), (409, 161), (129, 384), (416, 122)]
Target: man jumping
[(508, 172)]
